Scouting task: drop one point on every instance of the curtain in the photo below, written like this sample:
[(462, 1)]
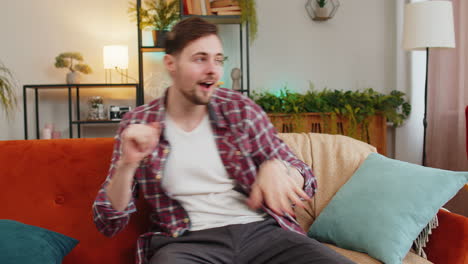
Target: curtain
[(448, 97)]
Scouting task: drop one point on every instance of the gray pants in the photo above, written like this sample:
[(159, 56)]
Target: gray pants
[(256, 243)]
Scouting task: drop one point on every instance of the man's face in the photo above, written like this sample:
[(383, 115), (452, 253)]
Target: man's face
[(197, 69)]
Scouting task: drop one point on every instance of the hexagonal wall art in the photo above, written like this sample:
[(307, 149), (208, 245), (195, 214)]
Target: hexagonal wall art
[(321, 10)]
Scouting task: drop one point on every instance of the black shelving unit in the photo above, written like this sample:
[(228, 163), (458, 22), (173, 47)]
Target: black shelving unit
[(78, 122), (244, 47)]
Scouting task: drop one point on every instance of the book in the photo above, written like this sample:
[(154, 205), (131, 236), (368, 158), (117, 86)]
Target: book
[(229, 13), (208, 8), (196, 7), (223, 3), (227, 8), (188, 8), (202, 7)]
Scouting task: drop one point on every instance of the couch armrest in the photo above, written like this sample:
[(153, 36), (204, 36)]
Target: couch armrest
[(448, 243)]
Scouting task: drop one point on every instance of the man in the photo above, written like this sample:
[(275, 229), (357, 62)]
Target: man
[(220, 183)]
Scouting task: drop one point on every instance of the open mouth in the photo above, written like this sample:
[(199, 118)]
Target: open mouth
[(206, 85)]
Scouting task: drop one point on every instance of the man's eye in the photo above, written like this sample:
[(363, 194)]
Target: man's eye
[(220, 61), (200, 59)]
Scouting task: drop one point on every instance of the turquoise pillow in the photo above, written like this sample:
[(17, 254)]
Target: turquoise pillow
[(384, 206), (21, 243)]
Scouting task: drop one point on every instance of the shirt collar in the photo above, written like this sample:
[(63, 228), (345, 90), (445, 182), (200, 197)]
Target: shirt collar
[(214, 111)]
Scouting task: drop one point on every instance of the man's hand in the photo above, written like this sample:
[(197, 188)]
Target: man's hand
[(138, 141), (277, 189)]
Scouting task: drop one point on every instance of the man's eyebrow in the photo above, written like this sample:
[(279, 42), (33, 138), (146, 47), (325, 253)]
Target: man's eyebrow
[(206, 54), (200, 53)]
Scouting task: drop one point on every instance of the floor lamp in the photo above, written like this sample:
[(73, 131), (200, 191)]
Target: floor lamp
[(428, 25)]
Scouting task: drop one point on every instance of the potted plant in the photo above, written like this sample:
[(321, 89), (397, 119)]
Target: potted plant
[(7, 90), (70, 60), (322, 11), (159, 15), (249, 14), (357, 114)]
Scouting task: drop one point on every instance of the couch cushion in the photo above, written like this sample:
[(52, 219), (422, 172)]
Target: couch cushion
[(21, 243), (362, 258), (384, 207), (333, 158)]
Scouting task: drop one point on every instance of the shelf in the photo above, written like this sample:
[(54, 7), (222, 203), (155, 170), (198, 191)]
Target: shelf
[(218, 19), (242, 90), (152, 49), (81, 85), (73, 102), (96, 121)]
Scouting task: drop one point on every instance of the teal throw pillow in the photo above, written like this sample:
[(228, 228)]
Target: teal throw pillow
[(21, 243), (384, 206)]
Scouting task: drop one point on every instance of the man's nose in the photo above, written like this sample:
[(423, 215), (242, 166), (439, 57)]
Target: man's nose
[(212, 67)]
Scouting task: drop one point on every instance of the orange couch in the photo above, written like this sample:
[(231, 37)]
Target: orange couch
[(53, 183)]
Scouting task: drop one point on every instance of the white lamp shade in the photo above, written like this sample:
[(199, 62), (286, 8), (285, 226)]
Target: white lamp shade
[(428, 24), (115, 56)]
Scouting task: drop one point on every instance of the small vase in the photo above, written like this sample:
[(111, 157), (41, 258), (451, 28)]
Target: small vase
[(73, 77), (322, 12), (159, 37)]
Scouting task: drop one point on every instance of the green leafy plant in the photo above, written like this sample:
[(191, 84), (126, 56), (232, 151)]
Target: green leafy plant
[(7, 90), (157, 14), (249, 14), (356, 106), (69, 60), (321, 3)]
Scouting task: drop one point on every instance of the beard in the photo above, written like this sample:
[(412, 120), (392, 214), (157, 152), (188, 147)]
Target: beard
[(195, 98)]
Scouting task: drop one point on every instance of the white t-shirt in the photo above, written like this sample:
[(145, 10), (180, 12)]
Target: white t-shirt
[(195, 176)]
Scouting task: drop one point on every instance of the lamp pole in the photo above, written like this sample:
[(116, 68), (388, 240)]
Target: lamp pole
[(425, 108)]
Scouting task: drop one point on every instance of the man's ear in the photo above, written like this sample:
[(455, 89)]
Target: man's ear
[(169, 63)]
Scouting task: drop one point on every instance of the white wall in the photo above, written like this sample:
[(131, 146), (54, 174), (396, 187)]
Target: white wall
[(356, 49), (33, 33)]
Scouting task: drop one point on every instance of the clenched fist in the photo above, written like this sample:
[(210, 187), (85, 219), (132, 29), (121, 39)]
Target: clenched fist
[(138, 141)]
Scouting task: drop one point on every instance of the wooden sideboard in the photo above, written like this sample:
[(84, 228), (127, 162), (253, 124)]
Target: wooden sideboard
[(375, 135)]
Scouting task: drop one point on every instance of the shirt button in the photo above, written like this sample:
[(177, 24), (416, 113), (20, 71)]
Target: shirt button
[(165, 151), (158, 176), (186, 220), (238, 153), (176, 234)]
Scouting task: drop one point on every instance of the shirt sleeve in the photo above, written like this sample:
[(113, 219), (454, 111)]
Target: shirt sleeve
[(266, 145), (108, 220)]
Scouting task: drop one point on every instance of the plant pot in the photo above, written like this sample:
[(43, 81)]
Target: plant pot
[(159, 36), (73, 77), (321, 12)]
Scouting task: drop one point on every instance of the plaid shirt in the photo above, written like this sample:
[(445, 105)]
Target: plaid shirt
[(245, 139)]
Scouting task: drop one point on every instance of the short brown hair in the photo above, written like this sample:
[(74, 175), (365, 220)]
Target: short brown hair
[(186, 31)]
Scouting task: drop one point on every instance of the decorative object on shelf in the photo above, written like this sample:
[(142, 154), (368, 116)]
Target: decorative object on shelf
[(47, 131), (321, 10), (117, 112), (116, 57), (236, 76), (96, 108), (7, 90), (159, 15), (56, 134), (428, 25), (66, 59)]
